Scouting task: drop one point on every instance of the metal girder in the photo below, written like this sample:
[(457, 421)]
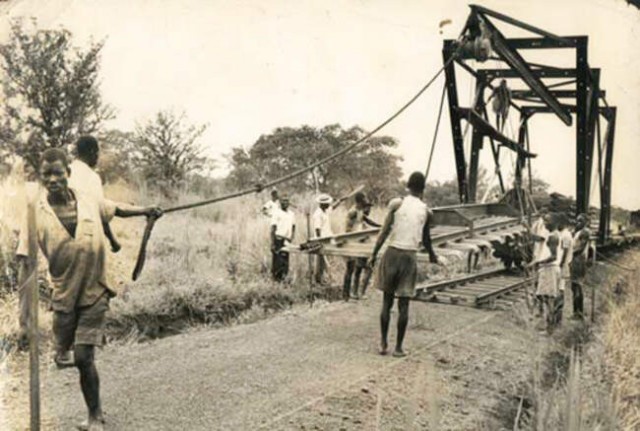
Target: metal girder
[(456, 123), (592, 116), (495, 151), (476, 145), (555, 93), (515, 60), (520, 161), (487, 129), (582, 146), (539, 43), (518, 23), (530, 109), (538, 73), (605, 198)]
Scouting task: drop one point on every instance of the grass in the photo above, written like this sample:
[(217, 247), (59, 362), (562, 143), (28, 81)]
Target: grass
[(205, 266), (586, 376)]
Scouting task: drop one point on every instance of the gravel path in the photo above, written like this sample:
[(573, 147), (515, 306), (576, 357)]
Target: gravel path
[(308, 368)]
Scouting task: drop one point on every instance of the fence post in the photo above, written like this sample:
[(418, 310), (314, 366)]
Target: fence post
[(310, 258), (34, 296)]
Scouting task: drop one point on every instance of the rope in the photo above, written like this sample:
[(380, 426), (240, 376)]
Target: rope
[(435, 134), (258, 188)]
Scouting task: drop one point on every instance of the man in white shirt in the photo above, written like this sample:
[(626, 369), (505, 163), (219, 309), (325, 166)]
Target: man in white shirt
[(408, 230), (322, 228), (283, 229), (566, 256), (85, 179)]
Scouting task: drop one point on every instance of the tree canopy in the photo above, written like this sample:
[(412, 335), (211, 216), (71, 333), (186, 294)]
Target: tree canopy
[(288, 149), (51, 91), (167, 149)]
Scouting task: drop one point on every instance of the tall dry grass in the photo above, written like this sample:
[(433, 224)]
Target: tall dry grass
[(209, 265), (621, 338), (587, 375)]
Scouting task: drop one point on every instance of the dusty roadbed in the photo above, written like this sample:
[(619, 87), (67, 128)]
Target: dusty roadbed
[(304, 369)]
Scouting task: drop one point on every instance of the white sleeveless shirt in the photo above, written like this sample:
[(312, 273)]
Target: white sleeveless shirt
[(408, 223)]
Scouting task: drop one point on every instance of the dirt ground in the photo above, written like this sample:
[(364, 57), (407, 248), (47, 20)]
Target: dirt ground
[(305, 369)]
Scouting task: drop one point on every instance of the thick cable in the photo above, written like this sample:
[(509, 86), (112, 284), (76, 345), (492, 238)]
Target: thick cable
[(258, 188), (435, 133)]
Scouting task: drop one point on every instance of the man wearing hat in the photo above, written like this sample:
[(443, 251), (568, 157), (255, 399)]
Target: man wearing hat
[(283, 230), (322, 227)]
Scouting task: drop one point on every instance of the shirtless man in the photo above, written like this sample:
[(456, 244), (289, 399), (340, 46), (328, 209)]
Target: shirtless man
[(356, 219), (407, 228), (581, 240), (69, 234)]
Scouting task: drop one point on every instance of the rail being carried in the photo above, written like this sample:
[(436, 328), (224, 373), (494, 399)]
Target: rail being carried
[(467, 228)]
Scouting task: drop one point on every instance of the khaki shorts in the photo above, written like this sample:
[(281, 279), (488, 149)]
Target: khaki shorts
[(83, 325), (397, 272)]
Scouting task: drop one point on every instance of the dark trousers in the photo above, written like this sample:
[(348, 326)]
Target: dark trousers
[(578, 298), (348, 275), (557, 306), (355, 266), (321, 267), (279, 261)]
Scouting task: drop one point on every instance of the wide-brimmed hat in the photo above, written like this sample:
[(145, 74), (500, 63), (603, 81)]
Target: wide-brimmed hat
[(324, 198)]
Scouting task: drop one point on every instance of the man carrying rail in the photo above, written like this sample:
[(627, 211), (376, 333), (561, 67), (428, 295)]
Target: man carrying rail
[(69, 234), (407, 227), (322, 228), (357, 218)]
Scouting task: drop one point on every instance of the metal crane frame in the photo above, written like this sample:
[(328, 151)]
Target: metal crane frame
[(579, 97)]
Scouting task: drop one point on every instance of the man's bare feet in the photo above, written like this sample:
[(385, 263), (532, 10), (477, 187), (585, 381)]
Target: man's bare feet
[(384, 349), (92, 424), (115, 246), (64, 359), (399, 353)]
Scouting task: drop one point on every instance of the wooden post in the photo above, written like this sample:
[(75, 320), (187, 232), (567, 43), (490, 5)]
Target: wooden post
[(308, 216), (593, 303), (33, 297)]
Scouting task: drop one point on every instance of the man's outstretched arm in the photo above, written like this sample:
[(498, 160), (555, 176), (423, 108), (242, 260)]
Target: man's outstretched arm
[(426, 241), (134, 211), (370, 222)]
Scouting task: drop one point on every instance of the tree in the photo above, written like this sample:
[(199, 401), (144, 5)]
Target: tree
[(51, 91), (116, 156), (288, 149), (167, 150)]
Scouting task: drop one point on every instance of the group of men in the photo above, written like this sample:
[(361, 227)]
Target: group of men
[(560, 258), (283, 228), (405, 231), (72, 219)]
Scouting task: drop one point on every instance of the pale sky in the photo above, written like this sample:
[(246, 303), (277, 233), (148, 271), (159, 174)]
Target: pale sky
[(247, 67)]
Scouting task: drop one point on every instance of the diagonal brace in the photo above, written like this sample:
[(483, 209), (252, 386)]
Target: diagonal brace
[(515, 60)]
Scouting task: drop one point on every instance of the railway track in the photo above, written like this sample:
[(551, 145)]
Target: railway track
[(498, 288)]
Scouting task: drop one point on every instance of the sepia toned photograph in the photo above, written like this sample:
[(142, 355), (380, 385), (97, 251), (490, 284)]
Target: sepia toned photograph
[(319, 215)]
